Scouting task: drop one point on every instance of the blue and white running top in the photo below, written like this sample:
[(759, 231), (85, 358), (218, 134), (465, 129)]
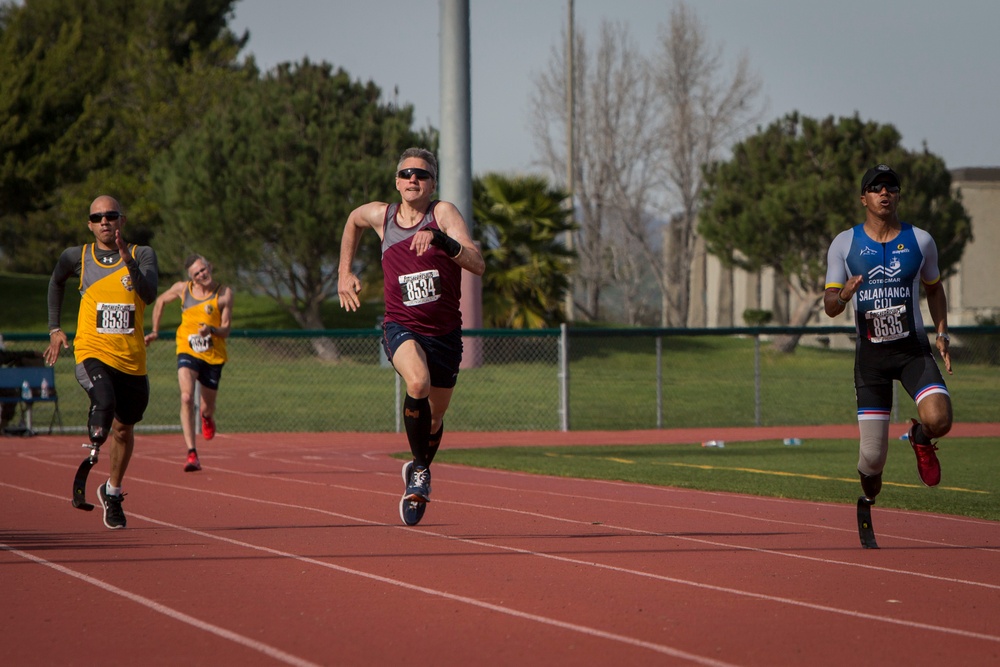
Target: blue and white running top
[(887, 303)]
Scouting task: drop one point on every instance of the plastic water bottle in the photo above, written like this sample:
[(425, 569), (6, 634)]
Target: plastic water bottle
[(792, 442), (44, 393), (26, 391), (714, 443)]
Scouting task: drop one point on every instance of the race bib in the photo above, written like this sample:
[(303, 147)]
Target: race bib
[(418, 288), (200, 343), (887, 324), (115, 318)]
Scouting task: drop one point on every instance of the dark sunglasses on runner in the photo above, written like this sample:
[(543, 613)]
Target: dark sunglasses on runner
[(876, 188), (421, 174), (110, 215)]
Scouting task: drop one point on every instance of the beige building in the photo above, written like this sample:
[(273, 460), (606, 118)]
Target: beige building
[(973, 292)]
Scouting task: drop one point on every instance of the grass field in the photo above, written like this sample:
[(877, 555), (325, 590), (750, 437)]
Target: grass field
[(820, 470)]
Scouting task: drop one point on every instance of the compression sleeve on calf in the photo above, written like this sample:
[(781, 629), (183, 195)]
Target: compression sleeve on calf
[(417, 422), (433, 443)]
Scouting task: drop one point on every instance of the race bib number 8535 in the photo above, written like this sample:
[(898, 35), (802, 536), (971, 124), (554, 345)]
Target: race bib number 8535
[(886, 324), (115, 318)]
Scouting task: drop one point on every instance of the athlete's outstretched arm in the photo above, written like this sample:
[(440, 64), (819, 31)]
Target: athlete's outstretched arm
[(363, 217)]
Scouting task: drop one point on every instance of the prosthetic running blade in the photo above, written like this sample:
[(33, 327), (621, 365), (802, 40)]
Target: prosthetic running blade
[(80, 481), (865, 529)]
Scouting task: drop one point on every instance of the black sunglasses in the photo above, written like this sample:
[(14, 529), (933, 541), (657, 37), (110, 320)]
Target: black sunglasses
[(110, 215), (876, 188), (421, 174)]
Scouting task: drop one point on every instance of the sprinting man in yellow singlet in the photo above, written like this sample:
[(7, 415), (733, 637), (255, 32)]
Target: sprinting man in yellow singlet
[(116, 281)]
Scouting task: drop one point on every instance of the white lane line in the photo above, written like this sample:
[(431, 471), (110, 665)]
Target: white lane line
[(737, 592), (628, 529), (293, 660), (197, 623)]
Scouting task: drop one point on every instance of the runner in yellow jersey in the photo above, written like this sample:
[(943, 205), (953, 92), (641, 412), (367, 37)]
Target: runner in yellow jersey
[(117, 280), (206, 320)]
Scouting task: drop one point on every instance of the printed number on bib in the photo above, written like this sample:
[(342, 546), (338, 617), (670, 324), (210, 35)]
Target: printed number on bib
[(887, 324), (419, 288), (115, 318), (200, 343)]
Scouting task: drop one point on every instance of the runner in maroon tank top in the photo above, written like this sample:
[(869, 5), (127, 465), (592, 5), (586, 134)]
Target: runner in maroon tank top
[(425, 246)]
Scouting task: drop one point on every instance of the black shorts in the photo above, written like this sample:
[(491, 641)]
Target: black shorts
[(209, 375), (130, 392), (444, 353), (877, 365)]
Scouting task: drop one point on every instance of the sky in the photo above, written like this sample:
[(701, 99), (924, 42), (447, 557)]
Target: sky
[(930, 68)]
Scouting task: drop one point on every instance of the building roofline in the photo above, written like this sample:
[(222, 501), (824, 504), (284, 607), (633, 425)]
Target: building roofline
[(976, 174)]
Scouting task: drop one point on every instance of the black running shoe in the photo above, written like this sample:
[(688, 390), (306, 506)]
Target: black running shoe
[(114, 517), (928, 466), (410, 511)]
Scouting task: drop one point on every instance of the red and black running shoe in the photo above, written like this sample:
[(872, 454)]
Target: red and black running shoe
[(207, 427), (928, 465)]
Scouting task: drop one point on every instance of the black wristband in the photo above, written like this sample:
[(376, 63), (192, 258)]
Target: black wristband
[(452, 247)]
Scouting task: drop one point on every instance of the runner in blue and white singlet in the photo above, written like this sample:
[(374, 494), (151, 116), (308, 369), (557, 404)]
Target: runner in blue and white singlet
[(887, 303), (879, 266)]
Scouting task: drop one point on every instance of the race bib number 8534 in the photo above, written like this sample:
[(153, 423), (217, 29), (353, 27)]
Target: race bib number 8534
[(419, 288)]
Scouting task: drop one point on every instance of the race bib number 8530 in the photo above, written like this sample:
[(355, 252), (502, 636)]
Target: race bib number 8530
[(115, 318), (200, 343), (419, 288)]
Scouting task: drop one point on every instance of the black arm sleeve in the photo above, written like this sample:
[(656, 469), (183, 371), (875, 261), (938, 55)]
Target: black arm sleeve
[(452, 247), (67, 266), (145, 273)]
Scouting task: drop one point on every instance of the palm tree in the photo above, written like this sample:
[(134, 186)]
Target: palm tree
[(520, 222)]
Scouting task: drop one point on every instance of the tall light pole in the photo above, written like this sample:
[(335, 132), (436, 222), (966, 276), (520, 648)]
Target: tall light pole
[(455, 155), (570, 143)]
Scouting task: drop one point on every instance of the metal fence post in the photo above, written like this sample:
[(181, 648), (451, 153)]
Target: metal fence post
[(894, 413), (399, 404), (563, 377), (659, 382), (756, 379)]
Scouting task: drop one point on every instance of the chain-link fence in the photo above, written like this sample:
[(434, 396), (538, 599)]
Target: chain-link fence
[(570, 379)]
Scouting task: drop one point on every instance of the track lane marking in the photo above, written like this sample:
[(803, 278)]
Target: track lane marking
[(197, 623)]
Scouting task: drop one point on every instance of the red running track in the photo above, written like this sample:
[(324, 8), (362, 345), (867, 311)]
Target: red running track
[(288, 549)]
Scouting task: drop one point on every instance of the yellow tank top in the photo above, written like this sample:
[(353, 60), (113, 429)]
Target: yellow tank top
[(109, 326), (195, 312)]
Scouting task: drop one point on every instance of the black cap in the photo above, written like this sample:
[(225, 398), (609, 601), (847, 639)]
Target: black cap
[(882, 171)]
